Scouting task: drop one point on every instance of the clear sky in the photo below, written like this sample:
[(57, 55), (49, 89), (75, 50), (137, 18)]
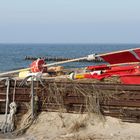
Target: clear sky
[(69, 21)]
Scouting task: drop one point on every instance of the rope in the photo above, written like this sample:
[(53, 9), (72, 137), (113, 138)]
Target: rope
[(13, 110), (4, 124), (11, 120), (37, 77)]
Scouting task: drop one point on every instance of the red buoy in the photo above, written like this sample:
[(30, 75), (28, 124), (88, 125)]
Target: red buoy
[(37, 66)]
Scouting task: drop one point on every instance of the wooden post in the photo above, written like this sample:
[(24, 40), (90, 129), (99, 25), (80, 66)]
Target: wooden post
[(32, 96)]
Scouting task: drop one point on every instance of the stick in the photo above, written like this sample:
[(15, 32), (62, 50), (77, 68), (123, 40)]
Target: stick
[(67, 61), (13, 72)]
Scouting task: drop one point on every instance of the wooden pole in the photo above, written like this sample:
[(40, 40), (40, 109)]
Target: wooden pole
[(32, 96), (13, 72), (67, 61)]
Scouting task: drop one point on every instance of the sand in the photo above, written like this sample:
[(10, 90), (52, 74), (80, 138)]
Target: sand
[(64, 126)]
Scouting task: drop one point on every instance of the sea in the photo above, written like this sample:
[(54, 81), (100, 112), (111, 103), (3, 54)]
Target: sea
[(12, 56)]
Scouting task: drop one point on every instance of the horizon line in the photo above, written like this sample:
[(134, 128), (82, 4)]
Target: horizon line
[(67, 43)]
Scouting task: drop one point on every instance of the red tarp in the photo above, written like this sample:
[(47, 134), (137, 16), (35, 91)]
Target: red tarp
[(125, 56), (98, 67), (129, 74), (130, 79), (121, 71)]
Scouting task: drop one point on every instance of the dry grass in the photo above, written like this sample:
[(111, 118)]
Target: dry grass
[(78, 137), (80, 123), (77, 126), (25, 123), (55, 94)]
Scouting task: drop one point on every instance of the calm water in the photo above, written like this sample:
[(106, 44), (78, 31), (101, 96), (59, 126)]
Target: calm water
[(12, 55)]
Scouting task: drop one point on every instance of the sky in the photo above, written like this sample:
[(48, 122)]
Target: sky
[(70, 21)]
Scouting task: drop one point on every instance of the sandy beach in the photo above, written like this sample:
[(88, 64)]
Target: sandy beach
[(64, 126)]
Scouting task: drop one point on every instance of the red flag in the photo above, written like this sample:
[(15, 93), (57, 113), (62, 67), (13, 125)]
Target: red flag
[(126, 56)]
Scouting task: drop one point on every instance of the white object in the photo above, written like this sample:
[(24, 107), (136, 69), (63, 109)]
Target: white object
[(71, 76), (91, 57), (13, 109), (98, 72), (36, 76)]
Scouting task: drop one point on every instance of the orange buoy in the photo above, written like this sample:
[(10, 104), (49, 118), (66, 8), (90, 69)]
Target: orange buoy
[(37, 66)]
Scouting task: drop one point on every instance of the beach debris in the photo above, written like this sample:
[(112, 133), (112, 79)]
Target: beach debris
[(55, 69), (23, 74)]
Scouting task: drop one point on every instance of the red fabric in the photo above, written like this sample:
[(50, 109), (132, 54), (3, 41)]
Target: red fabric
[(137, 51), (118, 70), (130, 79), (96, 76), (121, 57), (99, 67), (115, 71)]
